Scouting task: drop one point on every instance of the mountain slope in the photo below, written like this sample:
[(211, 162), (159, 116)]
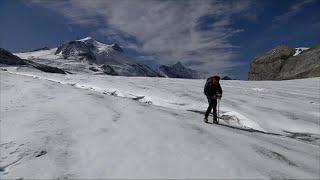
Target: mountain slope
[(7, 58), (87, 54), (178, 71)]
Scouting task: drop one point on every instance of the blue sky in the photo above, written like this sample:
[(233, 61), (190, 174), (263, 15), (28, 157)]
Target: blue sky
[(207, 35)]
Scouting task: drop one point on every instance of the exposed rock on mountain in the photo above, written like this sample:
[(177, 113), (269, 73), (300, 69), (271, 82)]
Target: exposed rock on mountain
[(178, 71), (75, 49), (8, 58), (116, 47), (89, 55), (108, 70), (227, 78), (284, 62), (45, 68), (39, 49)]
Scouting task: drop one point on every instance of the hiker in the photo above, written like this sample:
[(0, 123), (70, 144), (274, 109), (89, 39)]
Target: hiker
[(213, 91)]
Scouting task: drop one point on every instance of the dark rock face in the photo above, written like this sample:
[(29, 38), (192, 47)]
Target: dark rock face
[(75, 49), (39, 49), (8, 58), (268, 66), (116, 47), (177, 71), (45, 68), (280, 64), (108, 70), (304, 65), (226, 78), (143, 69)]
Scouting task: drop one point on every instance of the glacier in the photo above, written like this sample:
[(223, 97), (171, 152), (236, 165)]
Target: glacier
[(100, 126)]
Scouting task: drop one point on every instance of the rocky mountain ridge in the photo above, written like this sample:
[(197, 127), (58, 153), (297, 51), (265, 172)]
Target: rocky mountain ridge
[(89, 55), (178, 70), (284, 62)]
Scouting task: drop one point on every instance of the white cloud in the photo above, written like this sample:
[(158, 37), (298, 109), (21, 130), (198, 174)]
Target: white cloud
[(168, 30)]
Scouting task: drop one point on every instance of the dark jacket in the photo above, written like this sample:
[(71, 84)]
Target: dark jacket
[(211, 89)]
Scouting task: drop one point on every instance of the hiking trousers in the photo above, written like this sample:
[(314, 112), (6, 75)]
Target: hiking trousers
[(212, 105)]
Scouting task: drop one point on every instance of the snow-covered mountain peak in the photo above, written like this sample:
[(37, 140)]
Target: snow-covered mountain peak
[(92, 43), (87, 55), (86, 39), (99, 46)]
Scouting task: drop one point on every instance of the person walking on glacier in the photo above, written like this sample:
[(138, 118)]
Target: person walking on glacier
[(213, 91)]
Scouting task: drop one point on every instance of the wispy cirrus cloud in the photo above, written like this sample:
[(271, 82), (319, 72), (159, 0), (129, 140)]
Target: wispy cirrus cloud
[(196, 32), (293, 10)]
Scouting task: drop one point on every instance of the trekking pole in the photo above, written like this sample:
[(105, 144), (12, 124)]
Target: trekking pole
[(218, 109)]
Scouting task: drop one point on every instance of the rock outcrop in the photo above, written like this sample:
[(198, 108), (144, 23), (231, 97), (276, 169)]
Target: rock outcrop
[(45, 68), (281, 64), (227, 78), (8, 58), (40, 49)]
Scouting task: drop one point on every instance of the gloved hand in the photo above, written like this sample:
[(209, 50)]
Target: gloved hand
[(219, 96)]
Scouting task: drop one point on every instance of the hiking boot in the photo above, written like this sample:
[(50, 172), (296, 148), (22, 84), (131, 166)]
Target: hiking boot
[(205, 120), (215, 122)]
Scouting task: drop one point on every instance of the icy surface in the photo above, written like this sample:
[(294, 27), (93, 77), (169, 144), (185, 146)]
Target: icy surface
[(98, 126)]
